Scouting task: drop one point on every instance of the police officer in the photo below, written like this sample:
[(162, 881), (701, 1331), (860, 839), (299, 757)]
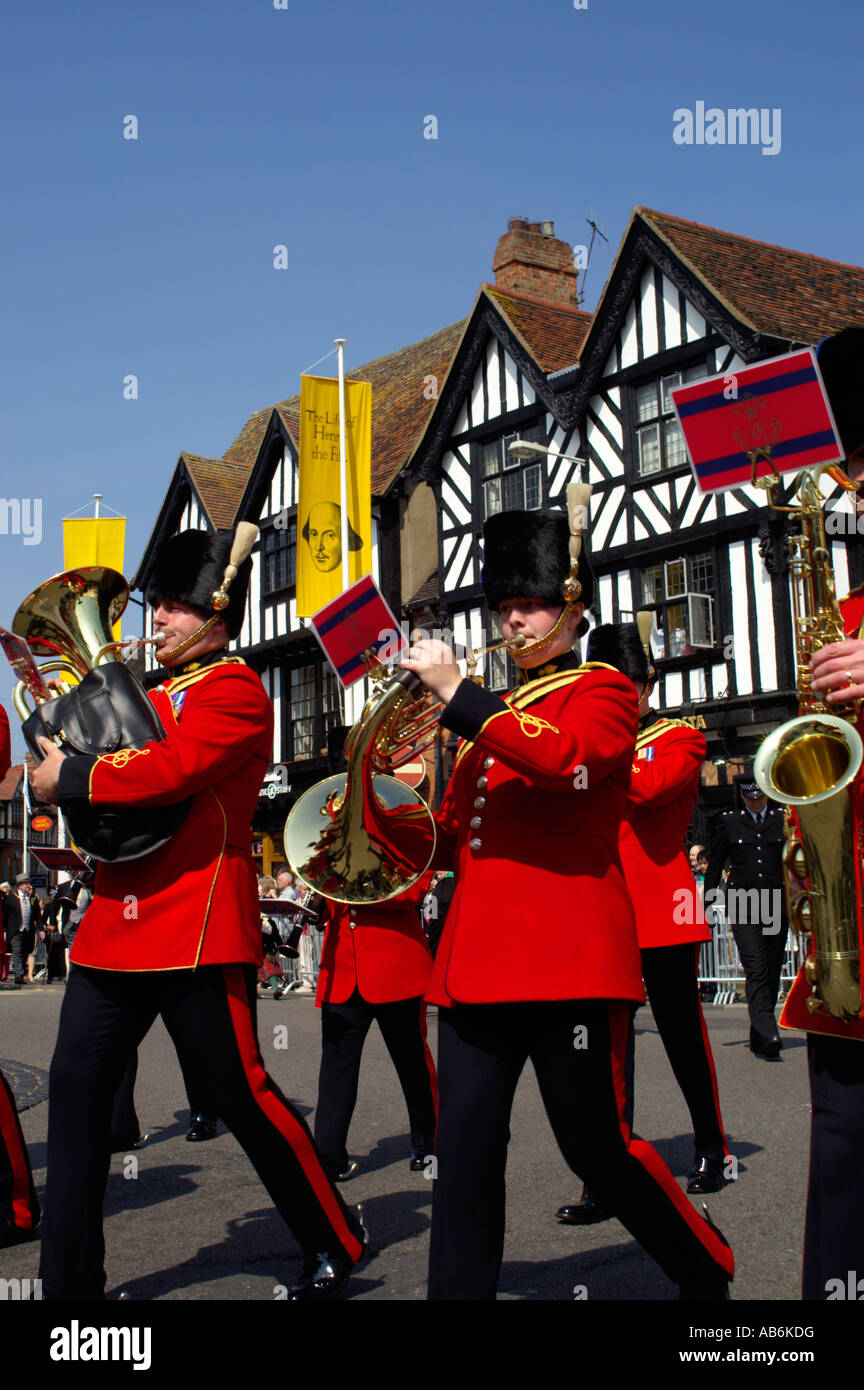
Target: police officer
[(750, 841)]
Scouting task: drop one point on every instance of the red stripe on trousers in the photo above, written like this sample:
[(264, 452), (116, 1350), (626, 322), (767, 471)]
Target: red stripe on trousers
[(619, 1024), (279, 1115), (13, 1140)]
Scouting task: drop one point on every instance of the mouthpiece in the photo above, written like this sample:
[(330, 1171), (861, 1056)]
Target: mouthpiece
[(159, 639), (518, 640)]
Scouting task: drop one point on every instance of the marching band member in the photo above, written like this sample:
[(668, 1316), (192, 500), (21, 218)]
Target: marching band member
[(177, 932), (670, 922), (834, 1229), (375, 965), (19, 1207), (540, 782)]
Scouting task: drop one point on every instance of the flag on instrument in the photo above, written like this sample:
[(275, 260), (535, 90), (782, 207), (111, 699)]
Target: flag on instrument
[(94, 540), (319, 514), (353, 623), (778, 405)]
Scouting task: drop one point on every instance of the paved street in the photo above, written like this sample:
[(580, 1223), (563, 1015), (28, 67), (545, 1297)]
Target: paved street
[(196, 1224)]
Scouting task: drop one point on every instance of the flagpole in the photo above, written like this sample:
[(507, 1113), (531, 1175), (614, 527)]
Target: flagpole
[(343, 478), (343, 461), (25, 867)]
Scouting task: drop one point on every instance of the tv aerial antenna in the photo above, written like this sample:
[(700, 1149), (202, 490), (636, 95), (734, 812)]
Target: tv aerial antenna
[(596, 230)]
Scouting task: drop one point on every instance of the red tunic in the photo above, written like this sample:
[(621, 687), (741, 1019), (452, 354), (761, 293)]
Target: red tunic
[(195, 900), (530, 823), (664, 785), (795, 1012), (380, 950)]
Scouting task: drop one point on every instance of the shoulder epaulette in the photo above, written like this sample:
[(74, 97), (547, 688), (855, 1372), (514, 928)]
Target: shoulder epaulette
[(658, 729), (525, 695), (192, 678)]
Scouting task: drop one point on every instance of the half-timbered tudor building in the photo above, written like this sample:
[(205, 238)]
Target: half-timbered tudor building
[(682, 301), (591, 393)]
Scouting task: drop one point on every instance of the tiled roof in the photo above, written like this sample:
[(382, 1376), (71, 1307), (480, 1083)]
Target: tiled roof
[(553, 335), (9, 784), (782, 293), (220, 483), (400, 410), (430, 589)]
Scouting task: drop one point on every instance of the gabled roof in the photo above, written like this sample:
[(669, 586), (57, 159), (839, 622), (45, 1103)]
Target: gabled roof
[(784, 294), (552, 334), (400, 410), (11, 782), (220, 483)]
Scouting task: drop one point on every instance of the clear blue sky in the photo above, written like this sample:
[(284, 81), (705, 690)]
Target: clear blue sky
[(304, 126)]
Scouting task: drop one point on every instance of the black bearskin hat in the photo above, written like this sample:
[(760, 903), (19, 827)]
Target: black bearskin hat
[(619, 645), (191, 565), (527, 555), (841, 362)]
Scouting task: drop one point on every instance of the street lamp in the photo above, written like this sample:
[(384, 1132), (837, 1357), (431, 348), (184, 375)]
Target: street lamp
[(524, 449)]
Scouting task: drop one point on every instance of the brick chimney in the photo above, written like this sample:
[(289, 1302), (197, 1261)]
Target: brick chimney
[(529, 259)]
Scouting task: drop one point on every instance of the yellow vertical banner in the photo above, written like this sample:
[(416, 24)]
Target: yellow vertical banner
[(94, 540), (319, 512)]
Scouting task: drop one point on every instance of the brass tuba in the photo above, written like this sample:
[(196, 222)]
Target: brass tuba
[(70, 618), (809, 764)]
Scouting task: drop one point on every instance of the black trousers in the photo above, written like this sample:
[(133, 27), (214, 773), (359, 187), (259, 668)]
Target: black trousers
[(344, 1028), (210, 1014), (834, 1230), (19, 1208), (762, 958), (578, 1050), (671, 983)]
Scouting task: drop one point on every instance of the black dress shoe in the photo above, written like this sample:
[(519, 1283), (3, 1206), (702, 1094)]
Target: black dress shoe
[(325, 1275), (586, 1212), (707, 1175), (769, 1047), (201, 1129), (419, 1159)]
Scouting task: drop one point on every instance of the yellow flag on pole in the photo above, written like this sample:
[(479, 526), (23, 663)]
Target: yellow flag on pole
[(319, 513), (94, 540)]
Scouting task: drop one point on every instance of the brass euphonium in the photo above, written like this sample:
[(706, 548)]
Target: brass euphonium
[(363, 837), (808, 764), (378, 835)]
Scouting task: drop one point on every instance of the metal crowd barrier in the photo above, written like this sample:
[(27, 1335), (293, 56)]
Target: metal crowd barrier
[(720, 965)]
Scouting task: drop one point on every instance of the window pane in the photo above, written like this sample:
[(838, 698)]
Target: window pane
[(665, 386), (652, 584), (676, 578), (492, 497), (490, 458), (533, 487), (649, 449), (694, 373), (496, 670), (303, 712), (676, 626), (510, 460), (701, 620), (646, 402), (674, 440), (701, 574), (514, 497)]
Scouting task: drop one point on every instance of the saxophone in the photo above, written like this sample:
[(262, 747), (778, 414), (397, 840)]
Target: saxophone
[(809, 765)]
